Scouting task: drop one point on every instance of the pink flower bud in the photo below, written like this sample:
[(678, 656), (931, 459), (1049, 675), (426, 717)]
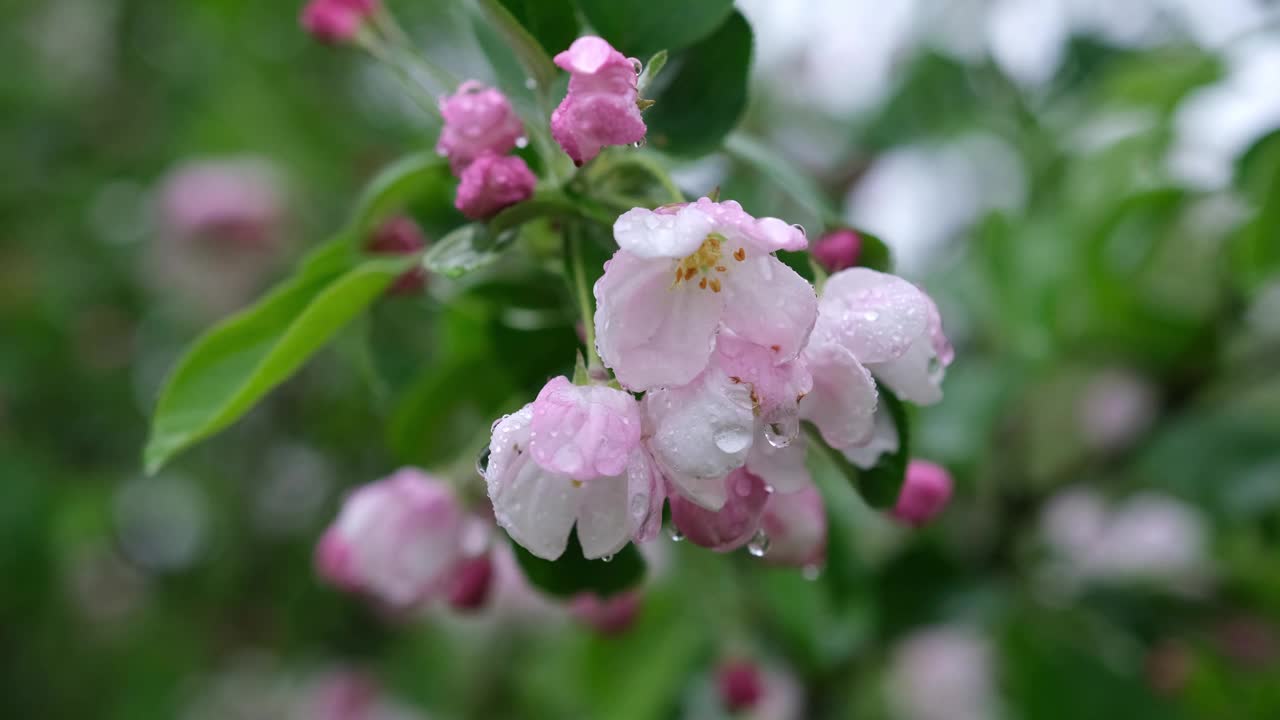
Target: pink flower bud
[(796, 524), (394, 540), (491, 183), (335, 21), (477, 120), (471, 582), (925, 491), (400, 235), (734, 524), (612, 615), (838, 249), (740, 684), (600, 108)]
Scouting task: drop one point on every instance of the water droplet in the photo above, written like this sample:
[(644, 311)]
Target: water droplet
[(482, 462), (732, 439), (800, 227), (871, 316), (674, 533), (522, 142), (639, 143), (531, 83), (811, 572), (780, 431), (607, 558), (768, 489), (759, 544), (935, 366), (639, 66)]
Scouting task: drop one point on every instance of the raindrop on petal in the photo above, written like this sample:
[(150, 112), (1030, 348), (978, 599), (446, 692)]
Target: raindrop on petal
[(482, 462), (759, 544)]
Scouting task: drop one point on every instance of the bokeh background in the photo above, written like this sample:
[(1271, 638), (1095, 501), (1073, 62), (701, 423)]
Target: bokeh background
[(1090, 189)]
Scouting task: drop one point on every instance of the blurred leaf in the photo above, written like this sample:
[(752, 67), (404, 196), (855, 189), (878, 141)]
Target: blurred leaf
[(785, 177), (234, 364), (1256, 249), (392, 188), (707, 91), (552, 23), (1161, 78), (537, 65), (468, 248), (641, 27), (875, 254), (573, 574), (843, 572)]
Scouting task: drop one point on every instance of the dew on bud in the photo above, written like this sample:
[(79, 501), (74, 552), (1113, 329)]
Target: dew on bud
[(638, 144), (759, 544), (482, 462), (639, 66)]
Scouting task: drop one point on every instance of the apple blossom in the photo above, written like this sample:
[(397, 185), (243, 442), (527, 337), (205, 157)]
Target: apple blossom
[(491, 183), (395, 539), (926, 489), (838, 249), (600, 108), (573, 456), (796, 525), (680, 274), (333, 21), (733, 524)]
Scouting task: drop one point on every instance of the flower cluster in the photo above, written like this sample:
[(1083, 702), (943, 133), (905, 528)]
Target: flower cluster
[(601, 105), (731, 349), (480, 128)]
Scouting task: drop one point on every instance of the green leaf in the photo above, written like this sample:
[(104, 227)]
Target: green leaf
[(468, 248), (844, 573), (1256, 249), (707, 91), (237, 362), (642, 27), (535, 61), (573, 574), (552, 23), (875, 254)]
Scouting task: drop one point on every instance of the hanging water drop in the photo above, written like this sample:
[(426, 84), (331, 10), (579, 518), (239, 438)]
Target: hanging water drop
[(674, 533), (768, 489), (607, 558), (482, 462), (781, 431), (522, 142), (759, 544), (639, 66), (811, 572), (638, 144)]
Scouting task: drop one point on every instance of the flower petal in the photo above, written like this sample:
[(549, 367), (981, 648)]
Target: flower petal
[(763, 235), (769, 304), (649, 332), (584, 432), (602, 517), (796, 524), (884, 439), (648, 234), (915, 376), (843, 401), (701, 432), (646, 492), (537, 508), (782, 468), (875, 315), (733, 524)]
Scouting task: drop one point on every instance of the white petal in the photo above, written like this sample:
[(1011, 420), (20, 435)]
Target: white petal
[(646, 491), (875, 315), (767, 303), (783, 468), (915, 376), (843, 401), (537, 508), (701, 432), (602, 516), (884, 439), (648, 234), (650, 331)]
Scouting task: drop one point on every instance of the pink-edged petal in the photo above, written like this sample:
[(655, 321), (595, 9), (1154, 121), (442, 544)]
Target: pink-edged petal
[(730, 526), (648, 234), (768, 304), (844, 398), (650, 332), (602, 517), (763, 235), (584, 432), (700, 433), (776, 387), (884, 439), (782, 468), (590, 55), (875, 315), (646, 492), (537, 508)]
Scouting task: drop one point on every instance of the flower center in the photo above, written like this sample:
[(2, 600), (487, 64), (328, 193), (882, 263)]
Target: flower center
[(706, 261)]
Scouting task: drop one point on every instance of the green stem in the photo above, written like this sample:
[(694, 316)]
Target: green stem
[(420, 94), (573, 256)]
